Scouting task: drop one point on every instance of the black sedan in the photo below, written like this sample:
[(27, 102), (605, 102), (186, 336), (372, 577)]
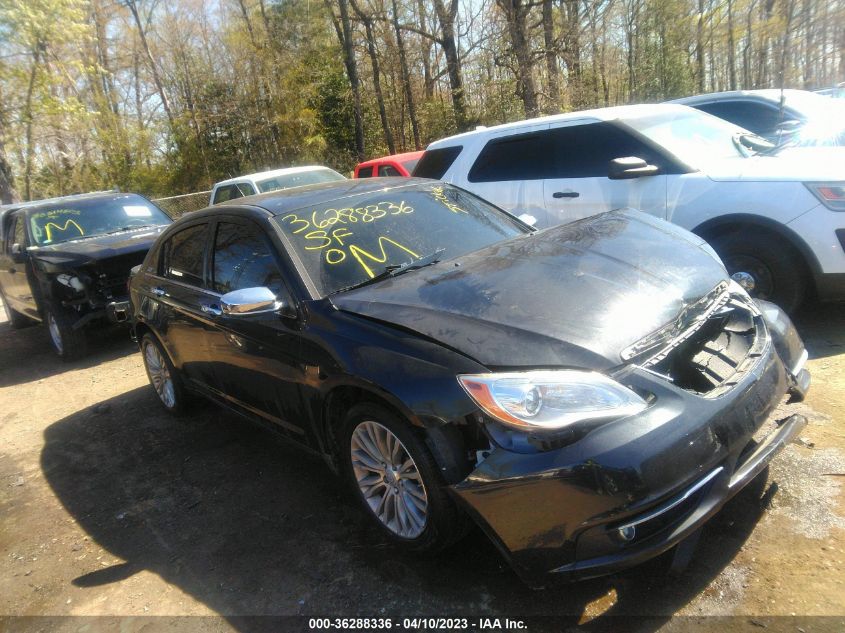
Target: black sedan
[(589, 394)]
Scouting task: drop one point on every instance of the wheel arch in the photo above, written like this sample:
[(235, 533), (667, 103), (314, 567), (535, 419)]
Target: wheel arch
[(443, 440), (141, 328), (722, 225)]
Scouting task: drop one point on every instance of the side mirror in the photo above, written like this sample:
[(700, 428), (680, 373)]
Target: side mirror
[(250, 301), (630, 167), (18, 253)]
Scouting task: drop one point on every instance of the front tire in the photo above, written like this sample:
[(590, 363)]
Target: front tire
[(163, 376), (767, 266), (397, 480), (68, 343)]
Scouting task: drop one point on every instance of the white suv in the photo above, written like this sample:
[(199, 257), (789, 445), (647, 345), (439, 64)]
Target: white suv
[(775, 216)]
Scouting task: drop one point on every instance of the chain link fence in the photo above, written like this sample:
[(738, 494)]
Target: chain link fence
[(177, 206)]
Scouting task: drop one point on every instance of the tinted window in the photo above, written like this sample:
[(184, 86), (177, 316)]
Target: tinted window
[(365, 172), (515, 157), (584, 151), (246, 188), (183, 255), (388, 170), (243, 259), (348, 241), (226, 193), (436, 162), (757, 117)]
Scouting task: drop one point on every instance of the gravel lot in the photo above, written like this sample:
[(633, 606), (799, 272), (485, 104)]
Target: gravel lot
[(108, 507)]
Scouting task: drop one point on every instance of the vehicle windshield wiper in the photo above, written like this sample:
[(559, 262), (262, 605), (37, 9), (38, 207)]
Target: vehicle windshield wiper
[(128, 228), (749, 141), (394, 270)]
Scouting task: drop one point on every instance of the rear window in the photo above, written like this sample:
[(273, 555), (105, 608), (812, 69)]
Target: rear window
[(365, 172), (436, 162), (298, 179), (516, 157)]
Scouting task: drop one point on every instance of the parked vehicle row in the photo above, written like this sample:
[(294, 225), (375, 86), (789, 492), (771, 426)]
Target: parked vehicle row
[(588, 394), (775, 218), (526, 338)]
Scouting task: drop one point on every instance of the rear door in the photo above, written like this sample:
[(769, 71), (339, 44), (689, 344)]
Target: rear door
[(256, 356), (578, 187), (182, 303), (509, 171)]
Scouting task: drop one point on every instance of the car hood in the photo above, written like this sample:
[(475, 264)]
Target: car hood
[(574, 295), (802, 164), (77, 253)]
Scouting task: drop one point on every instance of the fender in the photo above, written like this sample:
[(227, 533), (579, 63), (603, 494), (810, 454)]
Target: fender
[(716, 226)]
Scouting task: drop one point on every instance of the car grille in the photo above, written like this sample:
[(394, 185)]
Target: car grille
[(709, 347), (112, 274)]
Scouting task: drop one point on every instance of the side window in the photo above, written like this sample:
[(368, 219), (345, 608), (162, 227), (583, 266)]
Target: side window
[(365, 172), (436, 162), (388, 170), (756, 117), (516, 157), (183, 255), (243, 258), (226, 193), (584, 151)]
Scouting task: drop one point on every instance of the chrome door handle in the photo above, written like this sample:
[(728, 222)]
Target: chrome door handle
[(158, 291), (212, 309), (565, 194)]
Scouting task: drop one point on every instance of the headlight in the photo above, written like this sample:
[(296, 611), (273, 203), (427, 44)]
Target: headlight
[(535, 400), (830, 194)]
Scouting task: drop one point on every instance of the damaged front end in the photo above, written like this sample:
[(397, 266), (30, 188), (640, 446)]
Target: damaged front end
[(95, 289), (588, 503)]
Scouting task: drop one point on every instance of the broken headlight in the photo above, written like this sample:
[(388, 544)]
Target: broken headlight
[(536, 400)]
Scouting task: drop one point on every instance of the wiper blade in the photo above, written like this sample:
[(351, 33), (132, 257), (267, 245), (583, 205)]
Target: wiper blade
[(394, 270), (754, 142), (128, 228)]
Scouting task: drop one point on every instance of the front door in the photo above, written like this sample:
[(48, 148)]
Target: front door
[(256, 356), (15, 276), (579, 186)]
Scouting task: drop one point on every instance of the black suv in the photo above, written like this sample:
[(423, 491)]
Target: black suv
[(66, 261)]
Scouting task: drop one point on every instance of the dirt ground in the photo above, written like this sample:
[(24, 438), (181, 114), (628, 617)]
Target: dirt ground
[(109, 507)]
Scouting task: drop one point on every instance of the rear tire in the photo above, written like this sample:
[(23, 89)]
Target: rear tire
[(163, 376), (67, 342), (397, 481), (16, 319), (776, 268)]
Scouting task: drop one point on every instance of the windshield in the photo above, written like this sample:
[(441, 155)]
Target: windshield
[(410, 164), (298, 179), (349, 241), (692, 136), (78, 219)]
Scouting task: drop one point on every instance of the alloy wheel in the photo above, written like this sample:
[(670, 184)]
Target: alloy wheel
[(389, 479), (159, 375)]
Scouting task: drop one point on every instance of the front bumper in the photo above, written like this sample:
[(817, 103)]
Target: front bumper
[(664, 472)]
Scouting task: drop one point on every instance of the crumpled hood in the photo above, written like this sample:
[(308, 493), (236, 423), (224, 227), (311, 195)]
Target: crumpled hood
[(573, 295), (81, 252), (801, 164)]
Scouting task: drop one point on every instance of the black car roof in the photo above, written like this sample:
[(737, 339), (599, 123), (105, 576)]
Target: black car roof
[(286, 200)]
